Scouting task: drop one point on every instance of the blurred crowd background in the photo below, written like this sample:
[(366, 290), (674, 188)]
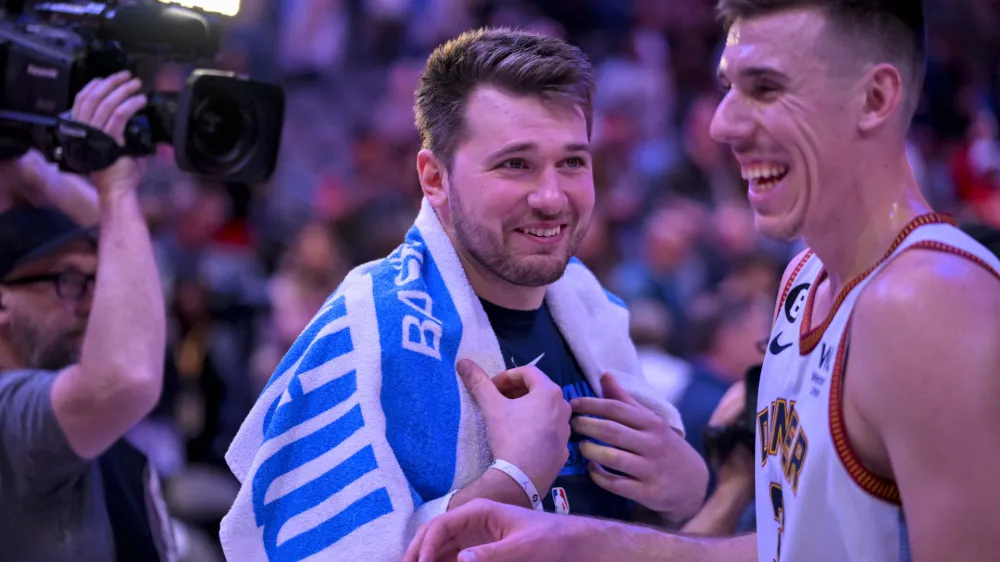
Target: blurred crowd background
[(245, 267)]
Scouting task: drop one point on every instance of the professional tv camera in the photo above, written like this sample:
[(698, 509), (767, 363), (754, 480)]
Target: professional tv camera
[(222, 126)]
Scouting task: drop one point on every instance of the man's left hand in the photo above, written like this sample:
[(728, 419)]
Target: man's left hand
[(660, 470)]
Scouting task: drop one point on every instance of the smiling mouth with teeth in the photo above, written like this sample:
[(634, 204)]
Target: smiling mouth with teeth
[(541, 232), (763, 177)]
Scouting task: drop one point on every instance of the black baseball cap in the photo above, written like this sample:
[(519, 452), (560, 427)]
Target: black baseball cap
[(31, 233)]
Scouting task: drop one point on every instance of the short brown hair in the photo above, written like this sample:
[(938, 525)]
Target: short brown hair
[(895, 28), (519, 62)]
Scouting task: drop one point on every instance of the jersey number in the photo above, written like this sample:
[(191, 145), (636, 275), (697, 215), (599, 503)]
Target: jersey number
[(778, 503)]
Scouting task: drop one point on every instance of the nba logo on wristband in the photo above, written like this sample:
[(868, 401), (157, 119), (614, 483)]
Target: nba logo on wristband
[(560, 501)]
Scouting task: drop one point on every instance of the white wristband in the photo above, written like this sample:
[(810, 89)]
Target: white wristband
[(525, 482)]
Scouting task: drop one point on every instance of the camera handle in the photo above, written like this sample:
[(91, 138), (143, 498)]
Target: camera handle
[(82, 149), (74, 146)]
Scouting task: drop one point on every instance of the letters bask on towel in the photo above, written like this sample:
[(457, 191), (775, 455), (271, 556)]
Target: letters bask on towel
[(365, 430)]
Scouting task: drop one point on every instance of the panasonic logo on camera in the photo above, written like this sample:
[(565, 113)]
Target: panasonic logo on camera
[(42, 72)]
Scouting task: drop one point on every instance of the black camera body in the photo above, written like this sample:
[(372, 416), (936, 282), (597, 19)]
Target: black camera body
[(222, 126), (720, 441)]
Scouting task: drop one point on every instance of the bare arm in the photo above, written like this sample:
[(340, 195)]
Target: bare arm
[(119, 377), (653, 546), (721, 513), (492, 485), (494, 532), (734, 491), (45, 184), (923, 377)]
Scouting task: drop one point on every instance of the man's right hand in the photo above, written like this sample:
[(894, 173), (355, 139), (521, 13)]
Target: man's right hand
[(486, 531), (108, 104), (526, 417)]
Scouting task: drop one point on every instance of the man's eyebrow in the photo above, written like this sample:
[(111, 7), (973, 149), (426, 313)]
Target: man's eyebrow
[(529, 146), (755, 72), (513, 149)]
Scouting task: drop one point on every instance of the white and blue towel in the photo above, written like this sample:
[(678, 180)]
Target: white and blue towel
[(365, 430)]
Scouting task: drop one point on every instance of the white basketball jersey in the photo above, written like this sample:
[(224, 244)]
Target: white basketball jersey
[(815, 501)]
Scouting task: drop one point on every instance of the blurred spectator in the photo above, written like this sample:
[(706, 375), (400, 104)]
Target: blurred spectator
[(732, 230), (752, 276), (979, 171), (310, 271), (312, 37), (706, 172), (668, 270), (724, 334), (650, 328), (598, 249)]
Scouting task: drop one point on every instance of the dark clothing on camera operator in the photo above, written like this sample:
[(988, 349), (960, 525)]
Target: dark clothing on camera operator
[(56, 506)]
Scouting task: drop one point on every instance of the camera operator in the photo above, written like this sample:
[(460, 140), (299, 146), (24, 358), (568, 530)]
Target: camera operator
[(732, 464), (724, 333), (81, 362)]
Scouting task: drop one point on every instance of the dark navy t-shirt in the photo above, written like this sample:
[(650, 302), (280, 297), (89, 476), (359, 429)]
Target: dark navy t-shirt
[(524, 336)]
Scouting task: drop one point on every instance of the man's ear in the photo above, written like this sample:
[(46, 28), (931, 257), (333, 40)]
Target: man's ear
[(884, 96), (432, 172), (433, 176)]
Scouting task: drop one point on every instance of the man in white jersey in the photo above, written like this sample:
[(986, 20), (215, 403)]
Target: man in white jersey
[(878, 429)]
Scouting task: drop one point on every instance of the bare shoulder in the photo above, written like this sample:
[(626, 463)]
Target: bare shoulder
[(928, 323), (935, 290)]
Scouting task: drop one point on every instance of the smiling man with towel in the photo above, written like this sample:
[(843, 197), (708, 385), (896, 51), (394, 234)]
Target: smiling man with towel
[(383, 414)]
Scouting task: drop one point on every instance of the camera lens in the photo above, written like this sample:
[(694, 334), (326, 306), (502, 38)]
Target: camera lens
[(226, 127), (219, 129)]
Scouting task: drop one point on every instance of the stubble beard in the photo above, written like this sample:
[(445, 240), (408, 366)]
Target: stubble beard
[(37, 350), (491, 252)]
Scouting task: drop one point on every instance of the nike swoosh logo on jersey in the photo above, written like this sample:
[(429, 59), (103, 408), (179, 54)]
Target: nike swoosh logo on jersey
[(532, 364), (775, 348)]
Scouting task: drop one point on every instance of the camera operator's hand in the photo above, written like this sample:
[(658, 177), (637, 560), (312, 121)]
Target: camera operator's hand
[(526, 417), (736, 473), (108, 104), (661, 471), (734, 489)]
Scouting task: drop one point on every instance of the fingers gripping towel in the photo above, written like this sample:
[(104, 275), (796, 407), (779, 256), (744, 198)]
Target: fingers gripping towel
[(365, 430)]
